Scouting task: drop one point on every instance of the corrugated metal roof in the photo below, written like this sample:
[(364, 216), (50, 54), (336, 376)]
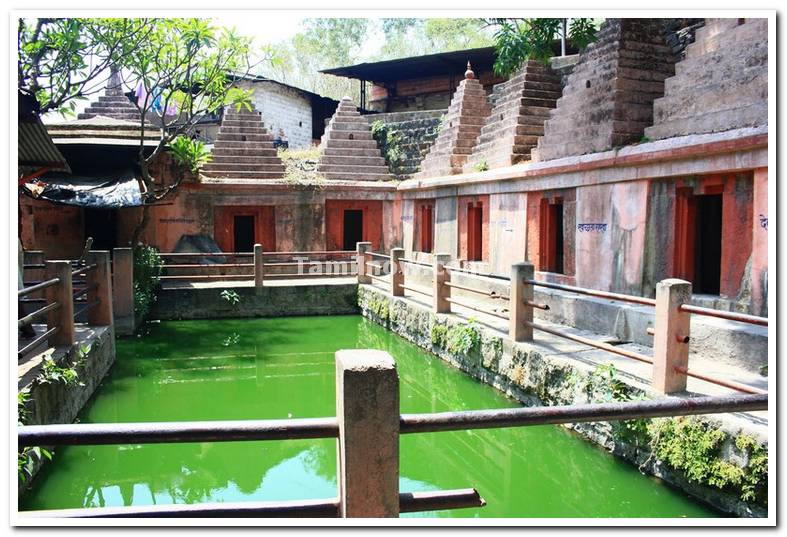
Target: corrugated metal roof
[(36, 148)]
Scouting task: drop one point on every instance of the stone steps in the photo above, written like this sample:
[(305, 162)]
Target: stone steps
[(243, 137), (347, 160), (246, 159), (243, 167), (348, 150), (221, 174)]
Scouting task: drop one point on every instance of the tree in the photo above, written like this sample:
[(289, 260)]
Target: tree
[(61, 61), (181, 70), (518, 40)]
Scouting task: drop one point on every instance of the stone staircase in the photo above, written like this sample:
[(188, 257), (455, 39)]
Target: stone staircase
[(114, 103), (243, 149), (347, 150), (521, 106), (722, 83), (460, 128), (608, 98)]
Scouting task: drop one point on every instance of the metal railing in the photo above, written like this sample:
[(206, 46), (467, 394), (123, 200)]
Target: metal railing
[(367, 428), (672, 316), (263, 265), (59, 311)]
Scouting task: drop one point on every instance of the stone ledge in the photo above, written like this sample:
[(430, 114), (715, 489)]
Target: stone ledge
[(537, 375)]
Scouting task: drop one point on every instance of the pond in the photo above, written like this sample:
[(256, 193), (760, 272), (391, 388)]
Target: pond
[(284, 368)]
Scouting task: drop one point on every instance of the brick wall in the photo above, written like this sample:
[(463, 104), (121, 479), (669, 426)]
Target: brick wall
[(284, 109)]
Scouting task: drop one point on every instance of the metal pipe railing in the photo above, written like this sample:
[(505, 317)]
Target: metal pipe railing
[(593, 292), (554, 415), (729, 315), (32, 317), (83, 270), (37, 341), (38, 286), (475, 308), (409, 502), (597, 344)]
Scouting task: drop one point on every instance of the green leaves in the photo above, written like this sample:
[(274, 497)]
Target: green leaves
[(519, 40), (230, 296), (147, 269), (52, 373), (193, 154)]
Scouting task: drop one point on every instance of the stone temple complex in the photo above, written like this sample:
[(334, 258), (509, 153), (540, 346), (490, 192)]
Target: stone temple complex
[(642, 157)]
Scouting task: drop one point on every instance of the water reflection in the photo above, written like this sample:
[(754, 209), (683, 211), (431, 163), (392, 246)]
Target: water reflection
[(278, 368)]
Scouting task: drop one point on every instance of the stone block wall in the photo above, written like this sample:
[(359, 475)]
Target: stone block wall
[(608, 97), (285, 110), (413, 132), (722, 83)]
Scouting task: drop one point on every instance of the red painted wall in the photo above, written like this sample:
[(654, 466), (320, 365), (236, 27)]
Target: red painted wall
[(372, 222), (264, 223)]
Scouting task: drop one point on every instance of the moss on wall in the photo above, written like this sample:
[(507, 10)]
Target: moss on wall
[(728, 470)]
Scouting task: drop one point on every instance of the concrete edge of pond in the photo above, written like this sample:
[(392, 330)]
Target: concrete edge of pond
[(536, 375), (57, 402), (272, 300)]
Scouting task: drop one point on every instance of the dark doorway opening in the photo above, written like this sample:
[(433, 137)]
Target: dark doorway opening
[(243, 232), (557, 236), (353, 228), (707, 244), (101, 224), (475, 228)]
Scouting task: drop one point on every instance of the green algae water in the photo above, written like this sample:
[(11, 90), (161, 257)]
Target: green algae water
[(284, 368)]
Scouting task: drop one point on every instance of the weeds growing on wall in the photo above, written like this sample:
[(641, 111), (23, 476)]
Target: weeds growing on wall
[(390, 142), (147, 269), (685, 443), (481, 166), (463, 338), (232, 297), (29, 457), (300, 166)]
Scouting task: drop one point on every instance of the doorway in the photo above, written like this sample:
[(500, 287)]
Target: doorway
[(101, 224), (475, 228), (353, 229), (707, 241), (243, 232)]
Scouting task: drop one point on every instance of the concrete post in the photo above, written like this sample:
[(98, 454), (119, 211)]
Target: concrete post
[(521, 313), (123, 290), (668, 350), (259, 266), (100, 278), (362, 258), (397, 272), (440, 291), (367, 407), (63, 293)]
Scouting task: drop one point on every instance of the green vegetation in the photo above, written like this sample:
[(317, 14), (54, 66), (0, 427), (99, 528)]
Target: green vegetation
[(463, 338), (232, 297), (147, 269), (686, 443), (695, 447), (390, 142), (481, 166), (192, 154), (300, 166), (379, 306), (519, 40), (29, 457), (438, 334)]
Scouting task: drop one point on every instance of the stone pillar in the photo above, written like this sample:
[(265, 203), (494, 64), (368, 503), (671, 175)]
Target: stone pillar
[(521, 298), (367, 408), (397, 272), (123, 290), (259, 266), (63, 293), (100, 279), (672, 325), (362, 258), (440, 291)]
